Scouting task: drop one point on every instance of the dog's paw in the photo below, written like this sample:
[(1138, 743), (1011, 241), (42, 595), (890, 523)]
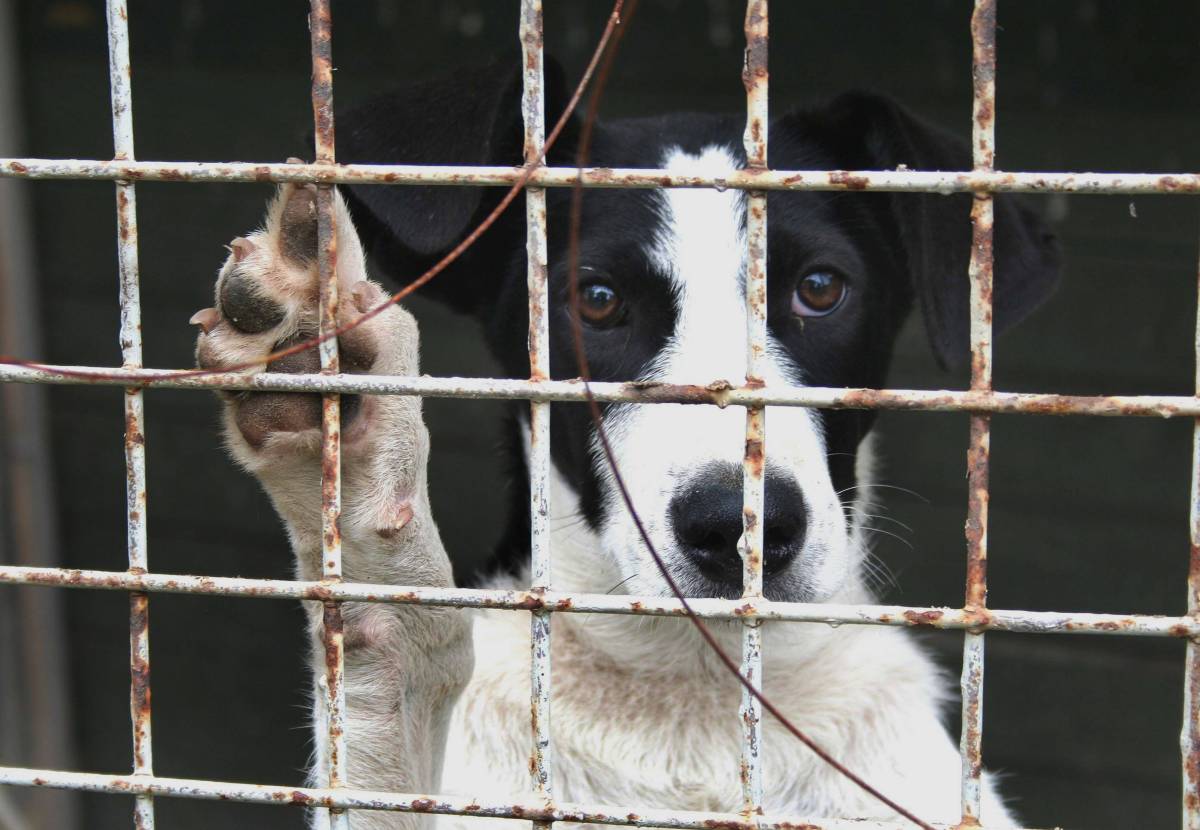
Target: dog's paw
[(267, 296)]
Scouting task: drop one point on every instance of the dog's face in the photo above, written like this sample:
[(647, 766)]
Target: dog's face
[(661, 287), (662, 277)]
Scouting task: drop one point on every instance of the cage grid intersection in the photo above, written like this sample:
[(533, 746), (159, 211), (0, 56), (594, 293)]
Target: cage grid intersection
[(541, 601)]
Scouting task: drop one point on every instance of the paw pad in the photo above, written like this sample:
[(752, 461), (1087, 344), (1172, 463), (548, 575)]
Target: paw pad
[(244, 305)]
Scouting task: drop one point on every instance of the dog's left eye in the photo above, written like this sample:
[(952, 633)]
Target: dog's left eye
[(600, 305), (819, 293)]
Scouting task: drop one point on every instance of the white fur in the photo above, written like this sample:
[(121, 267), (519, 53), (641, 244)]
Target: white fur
[(642, 714), (702, 251)]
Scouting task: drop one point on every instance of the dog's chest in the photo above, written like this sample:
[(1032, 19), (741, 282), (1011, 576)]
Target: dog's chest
[(627, 737), (619, 738)]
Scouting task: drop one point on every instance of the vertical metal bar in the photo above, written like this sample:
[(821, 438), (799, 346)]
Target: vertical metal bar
[(120, 72), (534, 117), (755, 76), (1189, 738), (983, 70), (321, 29)]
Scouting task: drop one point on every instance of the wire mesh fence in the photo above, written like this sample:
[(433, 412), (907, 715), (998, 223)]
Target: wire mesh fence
[(541, 600)]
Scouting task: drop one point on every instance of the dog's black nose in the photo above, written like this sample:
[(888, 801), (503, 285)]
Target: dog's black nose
[(706, 517)]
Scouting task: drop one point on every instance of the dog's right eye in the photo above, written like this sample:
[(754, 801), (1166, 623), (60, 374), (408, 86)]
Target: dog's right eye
[(819, 293), (600, 305)]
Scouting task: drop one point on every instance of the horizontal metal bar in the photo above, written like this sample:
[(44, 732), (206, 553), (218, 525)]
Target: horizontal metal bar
[(1025, 622), (718, 393), (356, 799), (888, 180)]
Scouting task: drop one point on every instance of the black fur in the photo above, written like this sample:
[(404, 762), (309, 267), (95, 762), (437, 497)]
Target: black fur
[(894, 249)]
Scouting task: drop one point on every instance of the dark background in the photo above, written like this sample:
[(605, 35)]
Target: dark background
[(1087, 514)]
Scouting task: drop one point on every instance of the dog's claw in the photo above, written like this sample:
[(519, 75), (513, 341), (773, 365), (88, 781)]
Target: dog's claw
[(242, 248), (363, 294), (397, 521), (206, 319)]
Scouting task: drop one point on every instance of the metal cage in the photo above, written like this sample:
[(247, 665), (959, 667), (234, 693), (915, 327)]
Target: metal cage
[(541, 600)]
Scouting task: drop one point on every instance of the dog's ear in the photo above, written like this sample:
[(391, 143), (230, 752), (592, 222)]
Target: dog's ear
[(470, 117), (865, 131)]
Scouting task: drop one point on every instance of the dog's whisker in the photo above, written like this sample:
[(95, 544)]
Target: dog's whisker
[(884, 518), (881, 531), (877, 486), (623, 581), (567, 522), (882, 574)]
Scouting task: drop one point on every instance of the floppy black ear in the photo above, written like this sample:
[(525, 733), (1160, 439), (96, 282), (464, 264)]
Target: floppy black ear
[(873, 132), (470, 117)]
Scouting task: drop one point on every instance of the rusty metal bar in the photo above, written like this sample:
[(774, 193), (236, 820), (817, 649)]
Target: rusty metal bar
[(983, 155), (981, 401), (534, 118), (1025, 622), (1189, 738), (756, 78), (320, 26), (120, 80), (355, 799), (908, 181), (717, 393)]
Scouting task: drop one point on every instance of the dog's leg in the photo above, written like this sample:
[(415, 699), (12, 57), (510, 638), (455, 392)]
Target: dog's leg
[(404, 666)]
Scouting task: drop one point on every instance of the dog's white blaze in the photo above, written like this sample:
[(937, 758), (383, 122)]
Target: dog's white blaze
[(701, 247)]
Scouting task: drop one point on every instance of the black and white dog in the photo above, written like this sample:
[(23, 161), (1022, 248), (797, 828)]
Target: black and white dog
[(643, 714)]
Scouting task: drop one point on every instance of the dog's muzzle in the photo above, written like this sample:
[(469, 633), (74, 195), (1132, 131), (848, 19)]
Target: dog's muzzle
[(706, 519)]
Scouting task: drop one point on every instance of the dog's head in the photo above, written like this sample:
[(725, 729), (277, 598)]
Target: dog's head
[(662, 298)]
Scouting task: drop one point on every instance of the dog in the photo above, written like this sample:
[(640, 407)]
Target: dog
[(643, 714)]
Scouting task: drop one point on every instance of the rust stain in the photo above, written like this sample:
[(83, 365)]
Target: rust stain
[(1194, 565), (928, 618), (1172, 184), (985, 114), (124, 217), (842, 178), (139, 671), (717, 824), (977, 619), (133, 429), (754, 455), (1191, 743), (977, 507)]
